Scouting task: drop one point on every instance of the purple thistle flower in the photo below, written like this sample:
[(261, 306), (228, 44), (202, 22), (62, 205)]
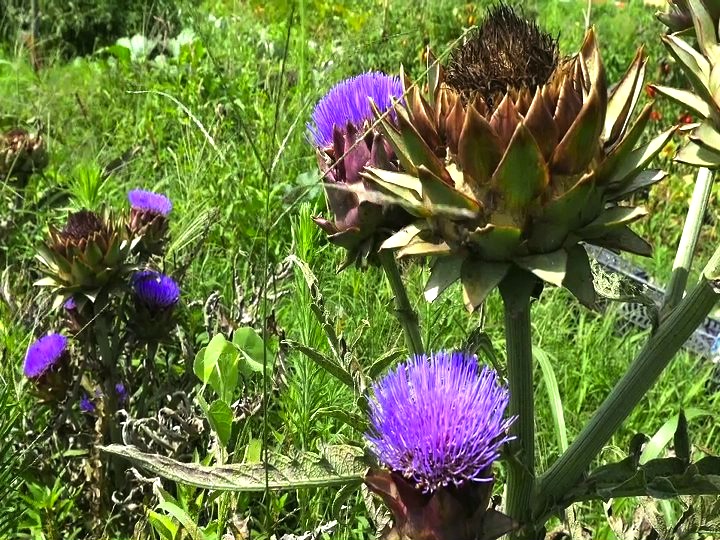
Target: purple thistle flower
[(86, 405), (121, 392), (148, 201), (44, 354), (438, 420), (155, 290), (348, 102)]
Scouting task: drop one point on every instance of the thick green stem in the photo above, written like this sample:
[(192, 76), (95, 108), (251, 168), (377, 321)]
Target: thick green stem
[(630, 390), (688, 240), (516, 290), (403, 310)]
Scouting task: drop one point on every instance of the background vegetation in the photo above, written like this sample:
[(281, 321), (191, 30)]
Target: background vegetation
[(207, 102)]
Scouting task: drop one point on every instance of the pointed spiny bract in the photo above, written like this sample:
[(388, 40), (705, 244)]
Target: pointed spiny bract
[(438, 420)]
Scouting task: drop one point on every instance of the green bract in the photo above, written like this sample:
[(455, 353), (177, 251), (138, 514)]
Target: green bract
[(520, 179), (88, 254), (702, 70)]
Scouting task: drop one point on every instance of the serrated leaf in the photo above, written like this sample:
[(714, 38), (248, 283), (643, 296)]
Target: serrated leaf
[(328, 364), (333, 466)]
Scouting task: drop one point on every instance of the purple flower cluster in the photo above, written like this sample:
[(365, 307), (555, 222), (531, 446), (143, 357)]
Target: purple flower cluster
[(349, 102), (438, 420), (155, 290), (148, 201), (44, 354)]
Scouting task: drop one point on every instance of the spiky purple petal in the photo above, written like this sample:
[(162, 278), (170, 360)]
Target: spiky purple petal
[(86, 405), (149, 201), (349, 102), (438, 420), (121, 392), (43, 354), (155, 290)]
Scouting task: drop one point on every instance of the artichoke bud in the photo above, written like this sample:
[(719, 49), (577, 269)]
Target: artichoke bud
[(85, 256), (148, 220), (21, 154), (514, 157), (699, 63), (362, 217)]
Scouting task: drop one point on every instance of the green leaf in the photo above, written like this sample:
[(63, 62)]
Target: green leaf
[(383, 362), (612, 218), (220, 416), (479, 278), (252, 347), (643, 180), (685, 98), (551, 385), (550, 267), (706, 136), (207, 358), (163, 525), (624, 97), (185, 520), (681, 438), (445, 271), (333, 466), (698, 156), (579, 277), (443, 199), (328, 364), (695, 66), (629, 166), (664, 435), (577, 148)]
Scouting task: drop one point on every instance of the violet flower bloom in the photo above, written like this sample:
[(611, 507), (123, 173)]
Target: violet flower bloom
[(156, 291), (438, 420), (149, 201), (121, 392), (44, 354), (86, 405), (349, 102), (70, 304)]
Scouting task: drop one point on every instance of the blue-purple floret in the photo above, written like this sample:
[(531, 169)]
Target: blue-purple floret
[(149, 201), (70, 304), (157, 291), (121, 392), (86, 405), (43, 354), (438, 420), (349, 101)]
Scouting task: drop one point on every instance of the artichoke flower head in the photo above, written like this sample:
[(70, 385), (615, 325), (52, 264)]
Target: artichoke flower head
[(514, 157), (86, 257), (345, 142)]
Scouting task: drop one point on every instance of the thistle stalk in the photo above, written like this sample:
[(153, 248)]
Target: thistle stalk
[(634, 385), (403, 310), (688, 240), (516, 289)]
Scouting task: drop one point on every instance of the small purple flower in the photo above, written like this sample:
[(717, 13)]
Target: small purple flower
[(349, 102), (70, 304), (438, 420), (155, 290), (121, 392), (86, 405), (148, 201), (44, 354)]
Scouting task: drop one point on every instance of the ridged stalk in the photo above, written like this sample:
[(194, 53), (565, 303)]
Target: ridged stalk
[(515, 291), (634, 385), (403, 310), (688, 239)]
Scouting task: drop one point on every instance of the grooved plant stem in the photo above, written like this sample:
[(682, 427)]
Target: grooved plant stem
[(516, 290), (688, 239), (629, 391), (403, 310)]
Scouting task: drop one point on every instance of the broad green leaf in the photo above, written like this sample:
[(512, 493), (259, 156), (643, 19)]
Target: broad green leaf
[(220, 416), (251, 345), (185, 520), (163, 525), (379, 366), (333, 466), (207, 358), (698, 156)]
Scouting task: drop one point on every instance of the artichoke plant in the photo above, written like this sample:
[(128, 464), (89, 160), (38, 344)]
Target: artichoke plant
[(21, 154), (514, 158), (85, 256), (701, 67), (345, 143)]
